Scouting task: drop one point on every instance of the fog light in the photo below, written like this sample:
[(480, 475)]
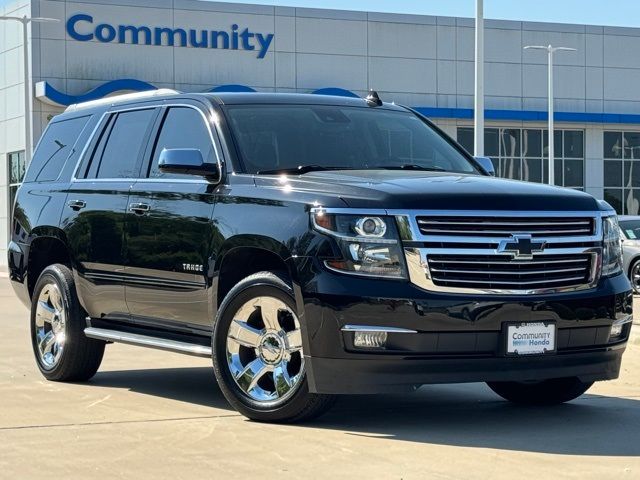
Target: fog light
[(370, 339), (616, 330), (618, 327)]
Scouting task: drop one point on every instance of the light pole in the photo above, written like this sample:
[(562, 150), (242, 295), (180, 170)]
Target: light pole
[(27, 79), (478, 102), (550, 51)]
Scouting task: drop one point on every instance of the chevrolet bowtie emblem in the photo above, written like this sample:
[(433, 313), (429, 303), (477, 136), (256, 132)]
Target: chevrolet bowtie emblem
[(522, 247)]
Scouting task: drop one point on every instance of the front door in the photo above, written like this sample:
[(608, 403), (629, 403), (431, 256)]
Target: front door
[(169, 232)]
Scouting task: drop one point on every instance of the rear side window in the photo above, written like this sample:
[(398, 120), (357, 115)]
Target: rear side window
[(54, 149), (182, 127), (121, 144)]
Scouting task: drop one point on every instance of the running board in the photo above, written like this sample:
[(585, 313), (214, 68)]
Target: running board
[(148, 341)]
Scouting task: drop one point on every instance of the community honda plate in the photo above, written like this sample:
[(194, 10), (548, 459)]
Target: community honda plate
[(531, 338)]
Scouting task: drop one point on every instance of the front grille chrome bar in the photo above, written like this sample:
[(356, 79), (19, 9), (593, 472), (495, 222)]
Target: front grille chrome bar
[(502, 282), (506, 282), (500, 226), (497, 272)]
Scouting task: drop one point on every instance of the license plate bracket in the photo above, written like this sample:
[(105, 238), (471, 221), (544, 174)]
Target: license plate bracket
[(530, 338)]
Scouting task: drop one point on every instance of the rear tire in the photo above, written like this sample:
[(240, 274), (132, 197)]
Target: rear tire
[(257, 353), (547, 392), (63, 352)]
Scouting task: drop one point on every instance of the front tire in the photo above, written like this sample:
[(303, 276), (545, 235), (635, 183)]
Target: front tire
[(257, 353), (63, 352), (634, 276), (547, 392)]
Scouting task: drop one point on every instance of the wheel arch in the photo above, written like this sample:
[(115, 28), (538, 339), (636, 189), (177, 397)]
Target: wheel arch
[(48, 246), (246, 255)]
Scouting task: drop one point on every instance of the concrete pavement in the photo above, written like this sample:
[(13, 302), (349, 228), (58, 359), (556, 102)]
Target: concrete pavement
[(150, 414)]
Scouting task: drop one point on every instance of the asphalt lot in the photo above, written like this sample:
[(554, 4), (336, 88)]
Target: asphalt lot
[(149, 414)]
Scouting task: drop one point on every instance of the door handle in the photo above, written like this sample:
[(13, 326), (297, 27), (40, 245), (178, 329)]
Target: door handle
[(139, 208), (77, 204)]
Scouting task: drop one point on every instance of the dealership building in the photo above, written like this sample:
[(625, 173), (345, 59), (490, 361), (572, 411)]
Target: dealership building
[(100, 48)]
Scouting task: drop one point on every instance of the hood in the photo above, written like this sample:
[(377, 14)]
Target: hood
[(392, 189), (635, 244)]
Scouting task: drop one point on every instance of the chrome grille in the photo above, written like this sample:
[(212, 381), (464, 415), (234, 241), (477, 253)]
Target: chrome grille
[(493, 252), (499, 226), (500, 272)]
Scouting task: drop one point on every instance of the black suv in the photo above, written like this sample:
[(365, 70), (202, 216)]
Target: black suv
[(312, 246)]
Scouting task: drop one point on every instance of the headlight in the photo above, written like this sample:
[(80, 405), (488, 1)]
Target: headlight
[(612, 247), (368, 244)]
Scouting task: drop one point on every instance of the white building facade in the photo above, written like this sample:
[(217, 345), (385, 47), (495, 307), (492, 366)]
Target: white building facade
[(101, 48)]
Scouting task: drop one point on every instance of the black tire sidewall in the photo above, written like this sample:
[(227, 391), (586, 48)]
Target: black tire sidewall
[(81, 356), (633, 283), (254, 286), (54, 273)]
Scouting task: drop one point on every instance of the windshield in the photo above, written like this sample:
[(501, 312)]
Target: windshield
[(631, 229), (284, 137)]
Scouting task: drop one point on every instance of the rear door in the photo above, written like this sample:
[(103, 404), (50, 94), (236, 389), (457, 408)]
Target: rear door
[(169, 233), (97, 201)]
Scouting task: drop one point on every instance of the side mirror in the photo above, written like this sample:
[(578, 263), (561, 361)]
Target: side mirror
[(487, 165), (187, 161)]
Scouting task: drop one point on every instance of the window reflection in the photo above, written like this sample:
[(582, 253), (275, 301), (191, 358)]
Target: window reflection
[(621, 152), (521, 154), (17, 167)]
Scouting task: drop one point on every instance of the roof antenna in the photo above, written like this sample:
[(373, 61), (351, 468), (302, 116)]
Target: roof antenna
[(373, 99)]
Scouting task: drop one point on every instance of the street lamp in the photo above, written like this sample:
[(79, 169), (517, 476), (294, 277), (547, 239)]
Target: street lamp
[(550, 51), (478, 98), (27, 79)]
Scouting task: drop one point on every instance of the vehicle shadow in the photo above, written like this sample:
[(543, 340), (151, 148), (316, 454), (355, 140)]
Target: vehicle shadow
[(463, 415), (470, 415), (195, 385)]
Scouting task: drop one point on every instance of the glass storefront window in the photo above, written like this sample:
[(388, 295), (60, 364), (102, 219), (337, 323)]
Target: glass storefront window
[(532, 143), (612, 145), (521, 154), (573, 145), (621, 152), (17, 167)]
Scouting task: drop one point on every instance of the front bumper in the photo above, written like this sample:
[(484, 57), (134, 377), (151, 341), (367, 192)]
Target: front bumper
[(458, 337), (354, 376)]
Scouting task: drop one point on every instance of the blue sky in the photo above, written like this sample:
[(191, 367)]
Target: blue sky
[(596, 12)]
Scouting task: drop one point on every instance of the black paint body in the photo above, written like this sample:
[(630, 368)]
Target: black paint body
[(130, 268)]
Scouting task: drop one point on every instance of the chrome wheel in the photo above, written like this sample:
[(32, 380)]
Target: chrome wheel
[(264, 350), (50, 321), (635, 277)]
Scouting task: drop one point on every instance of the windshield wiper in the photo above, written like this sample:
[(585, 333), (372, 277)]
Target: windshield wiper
[(301, 169), (411, 166)]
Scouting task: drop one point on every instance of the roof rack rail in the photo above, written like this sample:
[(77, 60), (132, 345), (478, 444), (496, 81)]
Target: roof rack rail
[(121, 98)]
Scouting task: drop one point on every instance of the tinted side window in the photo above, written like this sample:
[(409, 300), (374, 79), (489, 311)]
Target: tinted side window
[(121, 145), (54, 149), (182, 127)]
